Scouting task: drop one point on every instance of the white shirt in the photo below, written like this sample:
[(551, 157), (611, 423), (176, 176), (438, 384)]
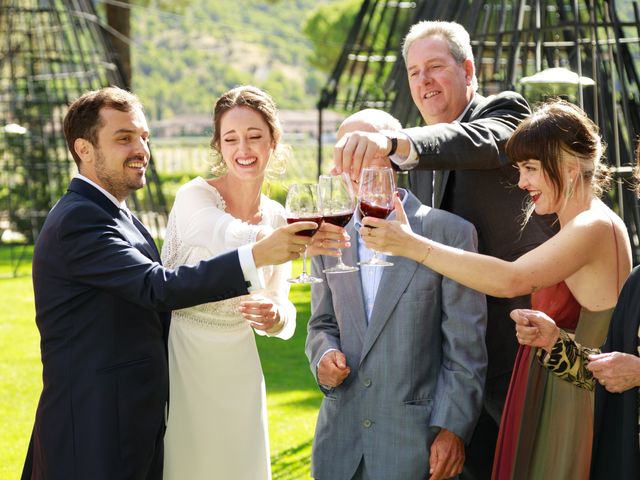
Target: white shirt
[(371, 276)]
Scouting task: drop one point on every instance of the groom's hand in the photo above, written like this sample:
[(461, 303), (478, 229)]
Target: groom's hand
[(332, 369), (282, 245), (446, 455)]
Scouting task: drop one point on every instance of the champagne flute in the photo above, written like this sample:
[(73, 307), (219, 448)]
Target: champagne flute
[(302, 205), (338, 203), (376, 193)]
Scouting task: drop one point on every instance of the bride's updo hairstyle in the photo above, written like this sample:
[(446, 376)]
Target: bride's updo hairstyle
[(262, 103), (556, 133)]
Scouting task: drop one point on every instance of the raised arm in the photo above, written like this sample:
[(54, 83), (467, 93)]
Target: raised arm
[(475, 144), (575, 246)]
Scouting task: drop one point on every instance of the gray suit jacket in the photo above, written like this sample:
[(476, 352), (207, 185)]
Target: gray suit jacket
[(419, 365), (475, 180)]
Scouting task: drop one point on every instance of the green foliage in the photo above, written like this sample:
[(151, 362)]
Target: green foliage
[(293, 398), (275, 190), (183, 62), (327, 27), (171, 182)]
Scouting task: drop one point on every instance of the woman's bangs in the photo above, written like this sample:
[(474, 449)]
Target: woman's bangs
[(526, 144)]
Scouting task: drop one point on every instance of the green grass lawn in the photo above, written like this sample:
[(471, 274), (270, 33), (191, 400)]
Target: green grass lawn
[(292, 396)]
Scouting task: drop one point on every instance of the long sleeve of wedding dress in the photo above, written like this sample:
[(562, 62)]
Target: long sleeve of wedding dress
[(199, 227)]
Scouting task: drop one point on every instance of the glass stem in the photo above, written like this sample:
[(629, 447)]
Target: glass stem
[(340, 263), (304, 263)]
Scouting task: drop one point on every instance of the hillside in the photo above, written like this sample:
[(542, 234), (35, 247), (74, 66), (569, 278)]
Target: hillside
[(183, 61)]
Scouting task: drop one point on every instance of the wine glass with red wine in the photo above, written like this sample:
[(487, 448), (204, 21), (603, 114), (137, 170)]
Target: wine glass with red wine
[(376, 193), (338, 203), (302, 205)]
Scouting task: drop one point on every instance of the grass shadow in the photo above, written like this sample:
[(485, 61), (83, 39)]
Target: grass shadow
[(293, 463)]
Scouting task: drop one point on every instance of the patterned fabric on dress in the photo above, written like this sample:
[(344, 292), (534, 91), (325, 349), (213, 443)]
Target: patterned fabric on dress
[(547, 423), (568, 360), (217, 421)]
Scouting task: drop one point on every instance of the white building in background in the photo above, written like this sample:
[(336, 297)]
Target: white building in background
[(296, 124)]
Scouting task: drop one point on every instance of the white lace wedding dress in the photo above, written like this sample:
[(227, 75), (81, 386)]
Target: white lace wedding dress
[(217, 422)]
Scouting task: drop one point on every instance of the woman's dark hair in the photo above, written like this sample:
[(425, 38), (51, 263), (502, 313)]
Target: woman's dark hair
[(556, 132)]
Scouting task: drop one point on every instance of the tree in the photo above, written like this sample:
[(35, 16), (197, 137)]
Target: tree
[(119, 21), (327, 27)]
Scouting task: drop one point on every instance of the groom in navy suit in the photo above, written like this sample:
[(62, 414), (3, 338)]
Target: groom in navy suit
[(103, 302)]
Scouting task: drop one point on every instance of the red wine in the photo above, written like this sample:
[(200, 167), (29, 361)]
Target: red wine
[(310, 232), (339, 219), (376, 211)]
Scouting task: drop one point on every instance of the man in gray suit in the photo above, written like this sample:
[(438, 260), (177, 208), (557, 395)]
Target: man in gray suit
[(398, 353), (463, 141)]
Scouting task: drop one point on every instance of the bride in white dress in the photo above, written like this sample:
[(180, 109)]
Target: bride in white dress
[(217, 421)]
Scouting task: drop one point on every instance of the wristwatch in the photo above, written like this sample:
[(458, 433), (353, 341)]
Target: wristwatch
[(393, 137)]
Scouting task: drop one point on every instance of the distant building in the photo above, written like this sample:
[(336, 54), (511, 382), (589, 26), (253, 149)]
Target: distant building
[(295, 123)]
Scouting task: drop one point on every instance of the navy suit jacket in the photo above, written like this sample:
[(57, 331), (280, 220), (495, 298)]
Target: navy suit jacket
[(101, 298)]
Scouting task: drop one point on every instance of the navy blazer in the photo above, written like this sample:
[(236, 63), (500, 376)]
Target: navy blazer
[(101, 297)]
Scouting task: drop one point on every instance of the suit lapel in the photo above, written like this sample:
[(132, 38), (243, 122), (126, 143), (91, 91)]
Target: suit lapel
[(393, 283), (442, 176), (134, 232), (153, 249)]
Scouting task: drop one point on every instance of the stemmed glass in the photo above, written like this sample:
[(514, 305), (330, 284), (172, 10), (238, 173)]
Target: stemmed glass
[(338, 203), (302, 205), (376, 193)]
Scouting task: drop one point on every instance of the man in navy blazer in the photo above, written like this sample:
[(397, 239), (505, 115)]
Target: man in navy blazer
[(463, 141), (103, 301)]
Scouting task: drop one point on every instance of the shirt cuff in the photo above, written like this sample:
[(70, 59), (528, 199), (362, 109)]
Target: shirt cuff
[(404, 163), (252, 275)]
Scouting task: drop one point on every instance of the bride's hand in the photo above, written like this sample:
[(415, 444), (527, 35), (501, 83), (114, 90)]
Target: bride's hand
[(262, 314), (388, 236)]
